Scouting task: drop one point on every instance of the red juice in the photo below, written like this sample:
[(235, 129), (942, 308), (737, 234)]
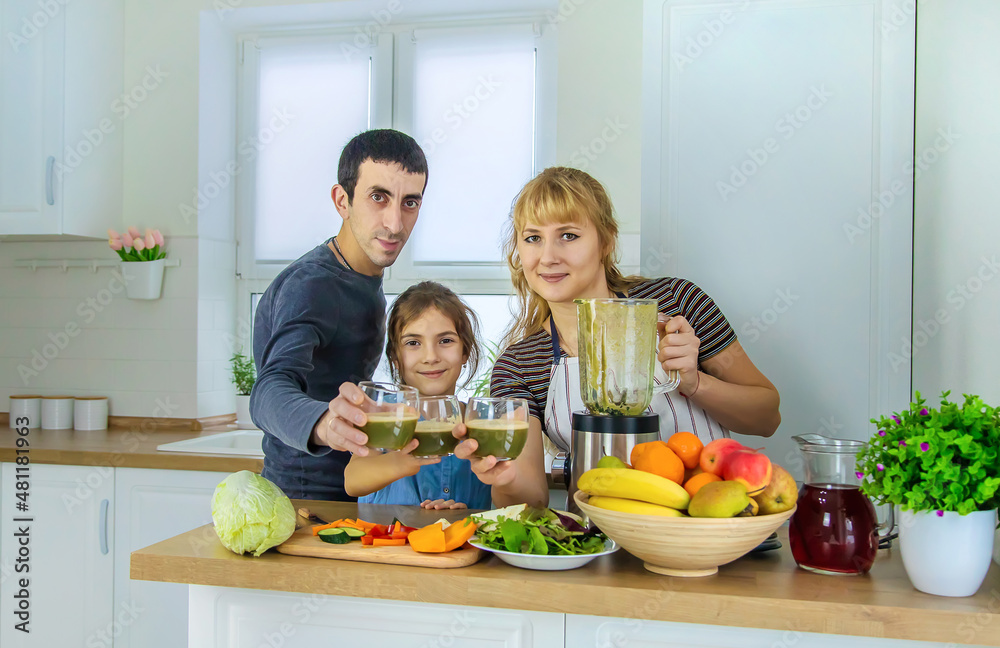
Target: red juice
[(834, 530)]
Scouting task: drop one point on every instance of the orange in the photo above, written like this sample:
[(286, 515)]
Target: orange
[(655, 457), (694, 484), (687, 446)]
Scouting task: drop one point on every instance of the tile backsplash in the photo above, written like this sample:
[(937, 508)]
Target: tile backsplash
[(76, 333)]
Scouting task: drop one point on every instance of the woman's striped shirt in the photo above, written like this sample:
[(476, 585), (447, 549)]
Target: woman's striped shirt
[(522, 371)]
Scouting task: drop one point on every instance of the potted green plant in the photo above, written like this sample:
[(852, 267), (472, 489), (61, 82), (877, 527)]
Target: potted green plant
[(941, 468), (244, 377)]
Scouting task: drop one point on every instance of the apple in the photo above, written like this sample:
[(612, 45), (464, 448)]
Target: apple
[(750, 468), (780, 494), (714, 455)]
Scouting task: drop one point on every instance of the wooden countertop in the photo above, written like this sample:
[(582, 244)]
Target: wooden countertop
[(123, 449), (765, 590)]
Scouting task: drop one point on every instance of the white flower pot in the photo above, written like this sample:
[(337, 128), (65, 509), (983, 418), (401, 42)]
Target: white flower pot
[(143, 279), (947, 555), (243, 421)]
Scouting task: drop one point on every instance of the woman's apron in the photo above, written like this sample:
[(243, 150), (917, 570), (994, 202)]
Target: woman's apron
[(677, 413)]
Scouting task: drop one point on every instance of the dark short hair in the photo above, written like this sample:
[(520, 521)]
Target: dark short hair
[(412, 303), (380, 145)]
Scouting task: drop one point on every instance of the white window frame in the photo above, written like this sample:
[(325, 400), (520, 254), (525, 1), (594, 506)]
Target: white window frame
[(379, 116), (390, 81)]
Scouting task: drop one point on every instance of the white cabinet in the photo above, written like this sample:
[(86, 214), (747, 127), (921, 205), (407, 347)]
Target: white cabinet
[(65, 546), (61, 113), (153, 505), (238, 618)]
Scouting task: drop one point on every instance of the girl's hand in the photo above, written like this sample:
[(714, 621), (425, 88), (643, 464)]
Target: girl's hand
[(407, 464), (489, 471), (442, 504), (679, 352)]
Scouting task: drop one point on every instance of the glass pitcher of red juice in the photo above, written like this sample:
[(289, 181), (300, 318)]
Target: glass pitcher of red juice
[(835, 529)]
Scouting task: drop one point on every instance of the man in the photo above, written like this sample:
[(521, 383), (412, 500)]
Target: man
[(321, 322)]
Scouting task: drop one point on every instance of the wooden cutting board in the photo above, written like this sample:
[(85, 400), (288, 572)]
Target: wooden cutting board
[(304, 543)]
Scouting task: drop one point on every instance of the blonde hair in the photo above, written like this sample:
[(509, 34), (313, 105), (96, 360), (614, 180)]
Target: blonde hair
[(417, 299), (559, 195)]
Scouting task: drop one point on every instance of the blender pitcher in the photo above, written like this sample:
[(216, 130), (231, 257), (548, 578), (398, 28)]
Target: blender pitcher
[(835, 529), (617, 343)]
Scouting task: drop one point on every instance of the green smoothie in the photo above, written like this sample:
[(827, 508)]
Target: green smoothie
[(434, 438), (502, 438), (389, 430)]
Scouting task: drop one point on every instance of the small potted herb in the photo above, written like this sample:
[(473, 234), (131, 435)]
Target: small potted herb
[(941, 467), (244, 376)]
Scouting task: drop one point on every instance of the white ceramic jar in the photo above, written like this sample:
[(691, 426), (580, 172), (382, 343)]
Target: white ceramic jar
[(90, 413), (26, 411), (57, 412)]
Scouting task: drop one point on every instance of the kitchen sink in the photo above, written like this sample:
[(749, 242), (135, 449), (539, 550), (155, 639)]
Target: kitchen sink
[(238, 442)]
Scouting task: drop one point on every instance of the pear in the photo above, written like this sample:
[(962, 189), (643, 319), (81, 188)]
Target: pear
[(722, 499), (610, 461)]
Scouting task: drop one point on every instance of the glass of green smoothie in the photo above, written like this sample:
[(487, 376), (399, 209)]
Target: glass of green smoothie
[(438, 415), (499, 426), (392, 411)]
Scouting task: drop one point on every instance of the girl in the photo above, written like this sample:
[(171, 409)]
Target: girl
[(563, 246), (432, 337)]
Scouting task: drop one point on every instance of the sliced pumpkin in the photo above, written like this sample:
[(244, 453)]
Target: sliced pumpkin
[(428, 539), (458, 533)]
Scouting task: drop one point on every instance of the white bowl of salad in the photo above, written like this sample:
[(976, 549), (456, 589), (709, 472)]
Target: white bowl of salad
[(543, 539)]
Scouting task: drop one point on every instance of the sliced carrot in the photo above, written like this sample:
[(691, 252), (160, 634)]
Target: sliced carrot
[(364, 525), (319, 527), (389, 542)]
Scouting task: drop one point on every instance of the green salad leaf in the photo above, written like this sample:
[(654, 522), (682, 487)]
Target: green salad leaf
[(540, 532)]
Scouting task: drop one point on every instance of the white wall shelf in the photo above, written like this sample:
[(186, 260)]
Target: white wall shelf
[(93, 264)]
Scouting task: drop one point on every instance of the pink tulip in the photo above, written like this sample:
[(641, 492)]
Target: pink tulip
[(127, 239), (149, 239), (113, 234), (139, 244), (158, 237), (134, 232), (115, 243)]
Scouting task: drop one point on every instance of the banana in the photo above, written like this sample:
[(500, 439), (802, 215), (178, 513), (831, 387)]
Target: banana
[(635, 485), (633, 506)]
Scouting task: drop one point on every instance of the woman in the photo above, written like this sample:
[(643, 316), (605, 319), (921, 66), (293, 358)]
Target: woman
[(563, 246)]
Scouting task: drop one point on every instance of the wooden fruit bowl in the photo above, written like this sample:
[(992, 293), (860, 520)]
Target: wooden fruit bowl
[(683, 546)]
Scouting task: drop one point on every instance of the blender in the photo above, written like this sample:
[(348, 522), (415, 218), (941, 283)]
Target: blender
[(617, 343)]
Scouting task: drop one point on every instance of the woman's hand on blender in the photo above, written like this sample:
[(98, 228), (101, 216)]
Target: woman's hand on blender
[(679, 351), (489, 471)]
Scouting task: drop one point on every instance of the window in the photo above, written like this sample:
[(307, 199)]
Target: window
[(478, 98)]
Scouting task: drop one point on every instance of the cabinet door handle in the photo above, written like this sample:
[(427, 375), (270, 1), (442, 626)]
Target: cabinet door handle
[(103, 526), (50, 195)]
